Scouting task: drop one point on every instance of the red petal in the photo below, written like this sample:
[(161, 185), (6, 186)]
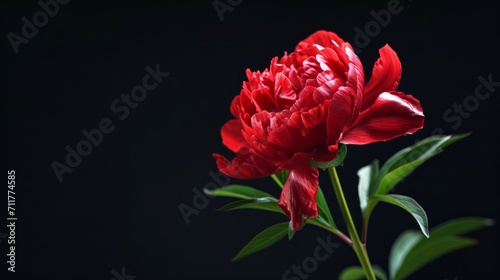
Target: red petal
[(285, 96), (324, 39), (339, 114), (235, 106), (346, 103), (262, 100), (386, 74), (326, 154), (247, 165), (298, 197), (232, 136), (298, 160), (393, 114), (329, 60)]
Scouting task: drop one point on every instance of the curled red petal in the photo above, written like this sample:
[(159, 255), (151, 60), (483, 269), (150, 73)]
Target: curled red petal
[(346, 103), (247, 165), (386, 75), (324, 38), (326, 154), (232, 136), (285, 96), (298, 197), (393, 114)]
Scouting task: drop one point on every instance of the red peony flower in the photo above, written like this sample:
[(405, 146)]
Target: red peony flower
[(303, 106)]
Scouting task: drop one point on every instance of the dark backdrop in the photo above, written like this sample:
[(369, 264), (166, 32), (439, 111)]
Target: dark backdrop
[(116, 214)]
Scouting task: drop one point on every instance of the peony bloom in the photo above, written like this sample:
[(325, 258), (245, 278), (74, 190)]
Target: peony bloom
[(303, 106)]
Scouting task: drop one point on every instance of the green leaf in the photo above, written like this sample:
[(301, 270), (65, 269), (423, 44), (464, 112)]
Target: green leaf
[(263, 240), (267, 204), (408, 204), (338, 160), (291, 231), (357, 273), (319, 221), (411, 251), (461, 226), (352, 273), (379, 272), (429, 250), (402, 245), (238, 191), (280, 177), (400, 165), (324, 210), (367, 176)]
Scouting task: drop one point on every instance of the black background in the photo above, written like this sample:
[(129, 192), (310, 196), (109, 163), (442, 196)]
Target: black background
[(119, 207)]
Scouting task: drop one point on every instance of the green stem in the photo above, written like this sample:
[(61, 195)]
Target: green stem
[(366, 218), (359, 248), (277, 180), (340, 234), (364, 232)]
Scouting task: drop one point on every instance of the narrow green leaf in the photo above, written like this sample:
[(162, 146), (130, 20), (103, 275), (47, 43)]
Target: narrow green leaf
[(238, 191), (404, 162), (410, 251), (280, 177), (428, 250), (391, 179), (401, 247), (324, 210), (379, 272), (423, 148), (461, 226), (263, 240), (267, 204), (338, 160), (410, 205), (291, 232), (367, 175), (357, 273), (320, 222), (352, 273)]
